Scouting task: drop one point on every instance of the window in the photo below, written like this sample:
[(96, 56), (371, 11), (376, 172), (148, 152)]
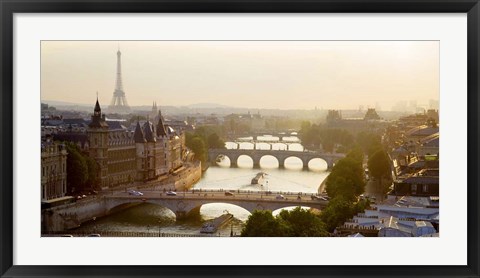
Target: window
[(414, 188)]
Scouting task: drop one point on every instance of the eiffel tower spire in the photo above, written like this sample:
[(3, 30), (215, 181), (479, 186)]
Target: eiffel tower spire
[(119, 101)]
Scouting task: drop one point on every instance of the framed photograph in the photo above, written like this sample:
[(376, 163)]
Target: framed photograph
[(199, 138)]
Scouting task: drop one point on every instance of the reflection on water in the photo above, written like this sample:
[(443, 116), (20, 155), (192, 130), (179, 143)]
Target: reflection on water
[(292, 178)]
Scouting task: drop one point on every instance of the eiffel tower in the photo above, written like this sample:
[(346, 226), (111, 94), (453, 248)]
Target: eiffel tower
[(119, 102)]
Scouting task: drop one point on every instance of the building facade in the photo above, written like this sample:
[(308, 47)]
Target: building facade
[(54, 170), (151, 151)]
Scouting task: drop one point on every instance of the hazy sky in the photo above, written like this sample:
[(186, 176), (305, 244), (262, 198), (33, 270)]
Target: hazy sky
[(260, 74)]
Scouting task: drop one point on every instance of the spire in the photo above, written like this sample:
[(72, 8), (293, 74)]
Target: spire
[(161, 131), (97, 109), (147, 128), (97, 120), (138, 135)]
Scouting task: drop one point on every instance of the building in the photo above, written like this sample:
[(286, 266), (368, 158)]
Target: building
[(398, 217), (394, 227), (423, 183), (370, 122), (429, 145), (151, 151), (54, 170), (371, 114)]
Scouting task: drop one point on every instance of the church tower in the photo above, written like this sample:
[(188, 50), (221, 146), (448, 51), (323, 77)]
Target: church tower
[(97, 133)]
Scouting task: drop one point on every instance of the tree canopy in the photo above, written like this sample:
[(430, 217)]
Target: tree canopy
[(263, 224), (340, 210), (314, 136), (347, 178), (288, 223), (379, 167), (369, 142), (198, 146), (204, 138), (77, 169), (302, 223)]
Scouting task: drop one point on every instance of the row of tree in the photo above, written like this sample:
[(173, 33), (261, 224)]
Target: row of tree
[(318, 136)]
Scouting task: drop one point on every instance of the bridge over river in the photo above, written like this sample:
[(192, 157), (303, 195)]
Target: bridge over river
[(280, 155), (189, 203)]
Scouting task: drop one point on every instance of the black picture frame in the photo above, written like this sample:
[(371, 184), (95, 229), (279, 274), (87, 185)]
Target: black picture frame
[(9, 7)]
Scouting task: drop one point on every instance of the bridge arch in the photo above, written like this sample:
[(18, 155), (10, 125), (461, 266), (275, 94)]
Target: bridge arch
[(317, 163), (243, 160), (266, 164), (118, 206), (292, 161), (237, 210)]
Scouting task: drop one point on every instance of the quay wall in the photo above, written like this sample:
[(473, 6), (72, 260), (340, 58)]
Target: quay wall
[(188, 177), (70, 216)]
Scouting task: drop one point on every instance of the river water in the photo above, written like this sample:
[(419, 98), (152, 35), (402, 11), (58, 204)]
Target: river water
[(292, 178)]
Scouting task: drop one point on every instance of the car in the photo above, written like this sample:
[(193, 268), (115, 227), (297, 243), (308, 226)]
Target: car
[(94, 235), (171, 193), (228, 193), (66, 236), (319, 198), (135, 193), (280, 197)]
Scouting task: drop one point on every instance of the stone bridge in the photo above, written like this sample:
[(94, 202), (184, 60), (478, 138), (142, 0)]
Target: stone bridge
[(281, 156), (187, 204), (255, 135)]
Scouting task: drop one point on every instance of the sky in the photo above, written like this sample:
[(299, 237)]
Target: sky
[(251, 74)]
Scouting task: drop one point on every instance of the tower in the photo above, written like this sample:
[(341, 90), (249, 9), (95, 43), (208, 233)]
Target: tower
[(119, 101), (154, 112), (98, 140)]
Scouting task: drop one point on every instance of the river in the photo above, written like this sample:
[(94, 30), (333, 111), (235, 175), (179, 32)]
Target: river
[(292, 178)]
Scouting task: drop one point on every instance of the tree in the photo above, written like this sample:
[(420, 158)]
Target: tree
[(379, 167), (197, 145), (214, 142), (92, 169), (77, 170), (347, 179), (302, 223), (336, 213), (262, 224), (369, 142)]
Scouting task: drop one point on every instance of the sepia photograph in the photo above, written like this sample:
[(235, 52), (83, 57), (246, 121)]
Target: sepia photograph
[(240, 138)]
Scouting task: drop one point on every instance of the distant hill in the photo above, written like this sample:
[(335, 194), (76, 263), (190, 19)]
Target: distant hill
[(62, 103), (207, 105)]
